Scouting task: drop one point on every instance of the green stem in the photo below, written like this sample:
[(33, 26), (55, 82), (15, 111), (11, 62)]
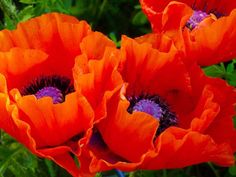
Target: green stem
[(0, 136), (188, 170), (213, 169), (102, 8), (164, 173), (131, 174), (9, 9)]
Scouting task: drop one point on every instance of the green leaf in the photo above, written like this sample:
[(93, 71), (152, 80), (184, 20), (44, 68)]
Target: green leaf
[(17, 169), (26, 13), (50, 166), (231, 78), (10, 13), (232, 170), (230, 67), (139, 19), (15, 159), (113, 37), (143, 173), (234, 121), (9, 23), (30, 1), (98, 175), (28, 160), (138, 7), (67, 3), (214, 71), (7, 161)]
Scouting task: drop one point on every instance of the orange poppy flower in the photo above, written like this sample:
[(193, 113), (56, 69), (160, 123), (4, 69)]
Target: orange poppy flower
[(197, 27), (165, 115), (38, 104), (100, 82)]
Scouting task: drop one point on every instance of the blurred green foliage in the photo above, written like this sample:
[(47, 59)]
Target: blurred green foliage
[(112, 17)]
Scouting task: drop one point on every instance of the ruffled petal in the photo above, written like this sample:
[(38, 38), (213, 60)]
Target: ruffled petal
[(152, 7), (16, 70), (225, 96), (97, 79), (170, 18), (44, 46), (205, 111), (49, 131), (191, 95), (95, 44), (161, 42), (57, 35), (59, 122), (178, 148), (150, 68), (124, 132), (45, 32), (219, 47)]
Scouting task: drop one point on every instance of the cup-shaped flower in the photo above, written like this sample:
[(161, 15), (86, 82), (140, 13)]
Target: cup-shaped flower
[(196, 27), (166, 114), (39, 105)]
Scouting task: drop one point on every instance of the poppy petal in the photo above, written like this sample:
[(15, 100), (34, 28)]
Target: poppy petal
[(55, 120), (88, 75), (175, 144), (219, 47), (148, 63), (95, 44), (124, 138)]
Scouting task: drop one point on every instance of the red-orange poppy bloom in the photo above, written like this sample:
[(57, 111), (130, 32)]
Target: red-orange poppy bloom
[(38, 103), (203, 29), (165, 115)]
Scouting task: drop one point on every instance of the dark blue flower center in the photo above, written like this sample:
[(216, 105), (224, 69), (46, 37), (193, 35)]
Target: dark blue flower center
[(56, 87), (197, 17), (155, 106)]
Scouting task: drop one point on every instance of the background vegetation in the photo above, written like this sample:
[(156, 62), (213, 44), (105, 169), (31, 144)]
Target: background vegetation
[(113, 18)]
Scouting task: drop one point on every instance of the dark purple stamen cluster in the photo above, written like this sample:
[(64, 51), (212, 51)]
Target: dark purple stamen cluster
[(52, 92), (149, 107), (56, 87), (196, 18), (155, 106)]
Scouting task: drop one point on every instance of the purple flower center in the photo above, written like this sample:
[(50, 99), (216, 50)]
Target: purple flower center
[(56, 87), (53, 92), (149, 107), (156, 107), (197, 17)]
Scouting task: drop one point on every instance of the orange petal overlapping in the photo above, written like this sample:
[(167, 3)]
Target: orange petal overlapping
[(195, 99), (46, 46), (214, 36), (93, 124)]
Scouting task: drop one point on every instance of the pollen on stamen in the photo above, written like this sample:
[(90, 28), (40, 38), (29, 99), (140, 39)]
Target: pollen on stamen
[(156, 107), (56, 87)]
